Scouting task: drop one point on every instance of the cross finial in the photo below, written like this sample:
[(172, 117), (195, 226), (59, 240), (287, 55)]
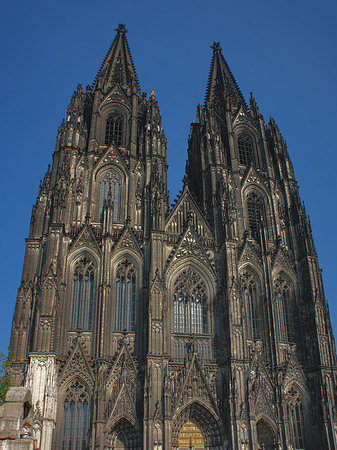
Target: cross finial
[(216, 47), (121, 29)]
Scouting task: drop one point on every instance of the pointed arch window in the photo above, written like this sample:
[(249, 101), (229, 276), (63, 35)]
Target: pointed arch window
[(246, 149), (75, 418), (110, 180), (255, 212), (295, 418), (250, 294), (114, 129), (190, 303), (82, 298), (283, 309), (125, 297)]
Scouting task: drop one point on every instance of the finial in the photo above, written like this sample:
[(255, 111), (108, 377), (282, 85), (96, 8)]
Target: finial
[(216, 47), (153, 93), (121, 29)]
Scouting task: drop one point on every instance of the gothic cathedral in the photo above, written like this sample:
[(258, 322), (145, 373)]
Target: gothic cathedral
[(200, 326)]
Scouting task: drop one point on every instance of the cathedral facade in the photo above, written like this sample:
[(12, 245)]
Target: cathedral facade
[(204, 325)]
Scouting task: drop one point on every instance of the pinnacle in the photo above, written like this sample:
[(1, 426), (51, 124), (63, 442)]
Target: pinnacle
[(121, 29)]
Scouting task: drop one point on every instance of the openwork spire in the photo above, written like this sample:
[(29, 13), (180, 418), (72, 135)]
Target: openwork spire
[(118, 66), (221, 83)]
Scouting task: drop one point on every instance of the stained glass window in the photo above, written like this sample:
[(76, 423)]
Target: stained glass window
[(83, 291), (75, 418), (125, 297), (114, 129), (189, 303), (295, 417), (110, 181), (246, 152), (283, 305), (250, 293), (255, 213)]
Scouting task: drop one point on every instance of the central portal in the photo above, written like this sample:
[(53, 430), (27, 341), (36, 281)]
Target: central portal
[(191, 437)]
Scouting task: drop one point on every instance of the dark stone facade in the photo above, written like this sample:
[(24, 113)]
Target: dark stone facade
[(133, 319)]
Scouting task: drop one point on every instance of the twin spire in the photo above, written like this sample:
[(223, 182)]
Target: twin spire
[(118, 67), (221, 83)]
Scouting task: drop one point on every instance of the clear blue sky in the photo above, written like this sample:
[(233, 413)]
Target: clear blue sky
[(284, 52)]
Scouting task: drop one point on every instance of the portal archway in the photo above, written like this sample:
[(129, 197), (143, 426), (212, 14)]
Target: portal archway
[(266, 436), (123, 435), (196, 427)]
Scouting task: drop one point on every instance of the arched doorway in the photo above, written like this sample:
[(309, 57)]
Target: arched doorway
[(197, 427), (123, 435), (191, 437), (266, 436)]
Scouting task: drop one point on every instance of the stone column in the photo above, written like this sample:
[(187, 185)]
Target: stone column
[(41, 380)]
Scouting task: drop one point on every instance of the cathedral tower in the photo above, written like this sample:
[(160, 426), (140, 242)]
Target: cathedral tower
[(202, 326)]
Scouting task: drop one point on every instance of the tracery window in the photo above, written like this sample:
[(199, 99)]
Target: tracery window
[(114, 129), (255, 212), (250, 295), (75, 418), (110, 182), (189, 303), (283, 309), (246, 149), (295, 418), (125, 297), (83, 291)]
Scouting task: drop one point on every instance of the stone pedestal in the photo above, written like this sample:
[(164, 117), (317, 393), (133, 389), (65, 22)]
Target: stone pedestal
[(16, 409), (16, 444)]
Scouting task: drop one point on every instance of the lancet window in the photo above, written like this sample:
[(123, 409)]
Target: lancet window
[(251, 296), (190, 303), (114, 129), (255, 211), (283, 309), (125, 297), (295, 418), (110, 183), (82, 298), (246, 149), (75, 418)]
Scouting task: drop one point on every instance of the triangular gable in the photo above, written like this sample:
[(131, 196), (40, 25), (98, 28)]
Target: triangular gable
[(281, 259), (157, 284), (77, 365), (85, 238), (138, 167), (124, 407), (249, 254), (116, 93), (49, 280), (189, 246), (184, 207), (294, 371), (111, 156), (127, 241), (242, 117), (258, 373), (252, 176), (194, 383), (262, 404), (124, 365)]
